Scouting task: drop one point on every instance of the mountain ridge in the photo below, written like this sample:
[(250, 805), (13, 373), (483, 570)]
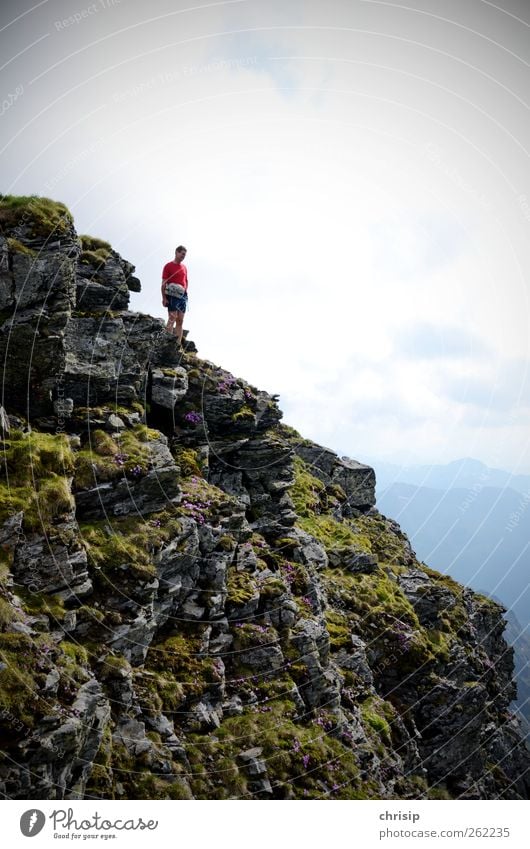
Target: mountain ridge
[(197, 602)]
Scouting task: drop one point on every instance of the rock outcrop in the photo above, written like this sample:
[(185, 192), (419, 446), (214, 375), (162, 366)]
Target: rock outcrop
[(196, 602)]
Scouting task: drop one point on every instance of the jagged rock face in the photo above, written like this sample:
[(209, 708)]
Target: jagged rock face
[(42, 278), (198, 603), (356, 479)]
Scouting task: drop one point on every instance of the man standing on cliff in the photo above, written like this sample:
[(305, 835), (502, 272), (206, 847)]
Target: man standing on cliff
[(175, 292)]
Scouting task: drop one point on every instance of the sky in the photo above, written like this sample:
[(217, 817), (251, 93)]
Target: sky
[(351, 182)]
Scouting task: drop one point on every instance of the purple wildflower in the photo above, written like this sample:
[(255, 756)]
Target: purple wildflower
[(193, 417)]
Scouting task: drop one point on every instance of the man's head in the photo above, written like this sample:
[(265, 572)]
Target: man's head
[(180, 253)]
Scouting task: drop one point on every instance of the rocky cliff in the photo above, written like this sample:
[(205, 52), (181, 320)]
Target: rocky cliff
[(196, 602)]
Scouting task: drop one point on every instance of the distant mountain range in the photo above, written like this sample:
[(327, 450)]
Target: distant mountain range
[(473, 523), (462, 474), (478, 533)]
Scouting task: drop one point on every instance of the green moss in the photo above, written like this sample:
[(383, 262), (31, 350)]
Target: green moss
[(438, 793), (374, 714), (369, 597), (454, 614), (272, 588), (313, 503), (115, 663), (94, 251), (130, 541), (29, 456), (307, 490), (92, 243), (37, 603), (226, 543), (95, 258), (241, 587), (34, 477), (149, 692), (45, 217), (289, 434), (87, 613), (100, 779), (52, 499), (108, 457), (205, 502), (296, 576), (303, 760), (148, 786), (383, 541), (251, 635), (76, 653), (440, 643), (244, 414), (73, 664), (142, 433), (17, 247), (188, 461), (19, 686), (180, 672), (122, 546), (7, 613), (103, 443), (339, 629), (380, 612)]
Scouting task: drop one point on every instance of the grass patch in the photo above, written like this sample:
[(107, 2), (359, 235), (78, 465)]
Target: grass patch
[(303, 760), (313, 502), (43, 216), (205, 502), (35, 468), (17, 247), (92, 243), (108, 457)]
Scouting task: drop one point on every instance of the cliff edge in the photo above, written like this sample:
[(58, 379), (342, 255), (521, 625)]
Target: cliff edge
[(195, 601)]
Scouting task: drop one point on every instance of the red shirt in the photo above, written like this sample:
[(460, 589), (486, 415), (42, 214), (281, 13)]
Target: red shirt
[(175, 273)]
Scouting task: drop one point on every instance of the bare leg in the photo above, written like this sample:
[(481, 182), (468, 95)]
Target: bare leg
[(179, 320), (171, 320)]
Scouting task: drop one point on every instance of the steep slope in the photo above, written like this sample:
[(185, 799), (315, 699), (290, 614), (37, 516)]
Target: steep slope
[(196, 601)]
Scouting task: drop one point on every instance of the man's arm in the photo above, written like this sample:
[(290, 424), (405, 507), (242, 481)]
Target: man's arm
[(163, 290)]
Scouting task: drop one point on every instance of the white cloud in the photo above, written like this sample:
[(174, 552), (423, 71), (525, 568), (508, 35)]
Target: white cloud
[(355, 230)]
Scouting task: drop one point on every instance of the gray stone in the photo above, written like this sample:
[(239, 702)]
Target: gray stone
[(114, 423), (353, 560), (168, 389), (131, 734), (263, 658), (5, 426), (48, 565), (63, 408), (251, 761)]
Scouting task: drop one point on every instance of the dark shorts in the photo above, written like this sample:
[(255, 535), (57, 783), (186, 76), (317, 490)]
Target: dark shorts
[(177, 304)]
